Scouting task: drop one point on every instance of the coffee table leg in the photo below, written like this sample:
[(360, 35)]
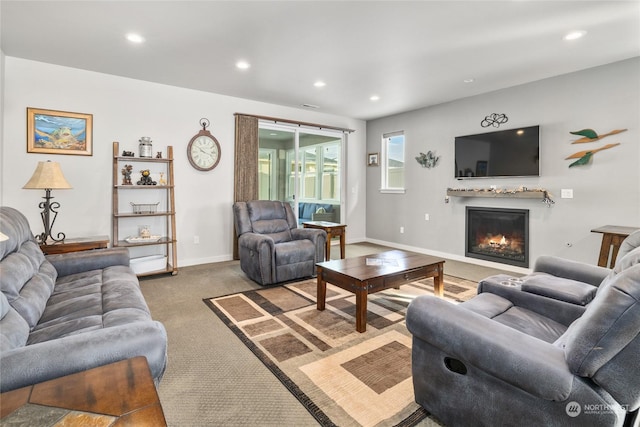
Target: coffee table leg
[(342, 244), (438, 282), (327, 255), (361, 310), (322, 291)]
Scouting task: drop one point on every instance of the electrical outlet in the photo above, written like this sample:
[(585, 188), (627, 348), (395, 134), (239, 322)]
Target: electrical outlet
[(401, 229), (426, 217), (566, 193), (196, 240)]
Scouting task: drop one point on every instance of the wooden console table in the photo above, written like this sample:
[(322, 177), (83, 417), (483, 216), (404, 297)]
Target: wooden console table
[(333, 230), (612, 236), (76, 245), (122, 393)]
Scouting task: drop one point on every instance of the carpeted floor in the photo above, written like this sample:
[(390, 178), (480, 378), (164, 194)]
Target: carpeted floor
[(212, 378)]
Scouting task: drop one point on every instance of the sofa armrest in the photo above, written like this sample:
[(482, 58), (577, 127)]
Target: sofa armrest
[(43, 361), (574, 270), (254, 241), (525, 362), (77, 262)]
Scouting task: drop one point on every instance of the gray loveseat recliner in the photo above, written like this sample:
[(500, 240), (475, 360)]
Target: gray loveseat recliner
[(67, 313), (271, 247), (529, 357)]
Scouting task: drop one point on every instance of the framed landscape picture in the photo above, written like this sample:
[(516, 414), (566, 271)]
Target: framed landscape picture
[(372, 159), (59, 132)]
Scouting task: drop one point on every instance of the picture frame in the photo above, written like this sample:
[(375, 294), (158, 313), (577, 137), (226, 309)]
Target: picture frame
[(372, 159), (481, 168), (59, 132)]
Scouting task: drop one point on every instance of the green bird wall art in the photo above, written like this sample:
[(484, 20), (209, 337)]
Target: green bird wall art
[(586, 155), (590, 135)]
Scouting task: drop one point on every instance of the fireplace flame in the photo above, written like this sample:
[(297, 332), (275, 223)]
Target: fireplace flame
[(498, 242)]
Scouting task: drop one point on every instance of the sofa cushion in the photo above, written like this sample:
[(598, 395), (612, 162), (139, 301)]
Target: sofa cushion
[(27, 280), (610, 322), (504, 311), (91, 300), (269, 218), (14, 330)]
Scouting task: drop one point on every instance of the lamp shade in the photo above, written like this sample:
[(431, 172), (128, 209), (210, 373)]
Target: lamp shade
[(47, 175)]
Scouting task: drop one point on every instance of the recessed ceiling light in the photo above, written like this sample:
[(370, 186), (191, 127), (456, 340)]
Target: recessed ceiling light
[(319, 83), (243, 65), (135, 38), (574, 35), (374, 98), (469, 80)]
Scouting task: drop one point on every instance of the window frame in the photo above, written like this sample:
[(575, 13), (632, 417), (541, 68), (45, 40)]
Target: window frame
[(384, 163)]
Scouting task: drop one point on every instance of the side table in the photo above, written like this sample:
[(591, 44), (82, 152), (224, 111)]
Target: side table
[(332, 229), (75, 245), (612, 236), (122, 393)]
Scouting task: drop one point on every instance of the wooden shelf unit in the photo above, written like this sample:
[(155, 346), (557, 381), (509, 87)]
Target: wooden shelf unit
[(122, 193)]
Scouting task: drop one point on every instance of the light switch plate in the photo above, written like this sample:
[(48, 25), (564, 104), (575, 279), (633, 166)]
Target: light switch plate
[(566, 193)]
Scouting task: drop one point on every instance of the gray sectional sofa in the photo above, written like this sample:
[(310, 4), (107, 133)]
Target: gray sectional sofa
[(61, 314), (559, 347)]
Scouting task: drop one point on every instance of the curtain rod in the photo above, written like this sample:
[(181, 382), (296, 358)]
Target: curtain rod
[(294, 122)]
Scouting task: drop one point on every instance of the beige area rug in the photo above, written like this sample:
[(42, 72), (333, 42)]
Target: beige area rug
[(342, 377)]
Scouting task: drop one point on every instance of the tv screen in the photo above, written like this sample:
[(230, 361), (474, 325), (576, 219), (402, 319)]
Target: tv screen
[(512, 152)]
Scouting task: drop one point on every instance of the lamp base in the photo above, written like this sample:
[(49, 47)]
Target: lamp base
[(49, 207)]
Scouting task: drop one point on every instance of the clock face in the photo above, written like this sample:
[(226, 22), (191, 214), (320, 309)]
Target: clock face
[(203, 151)]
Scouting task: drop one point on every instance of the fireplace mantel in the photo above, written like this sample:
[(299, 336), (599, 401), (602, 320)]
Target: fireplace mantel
[(516, 193)]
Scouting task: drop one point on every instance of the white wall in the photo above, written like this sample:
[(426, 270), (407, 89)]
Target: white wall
[(124, 110), (605, 192)]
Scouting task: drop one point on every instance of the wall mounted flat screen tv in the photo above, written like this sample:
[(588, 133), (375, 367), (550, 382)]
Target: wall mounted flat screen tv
[(504, 153)]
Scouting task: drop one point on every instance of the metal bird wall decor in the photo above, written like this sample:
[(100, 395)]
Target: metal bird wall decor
[(428, 160)]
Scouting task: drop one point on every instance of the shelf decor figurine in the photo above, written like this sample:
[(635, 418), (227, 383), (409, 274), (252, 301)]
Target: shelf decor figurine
[(146, 148), (145, 179), (126, 174)]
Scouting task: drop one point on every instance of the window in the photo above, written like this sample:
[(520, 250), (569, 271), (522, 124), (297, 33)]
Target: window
[(319, 168), (393, 163)]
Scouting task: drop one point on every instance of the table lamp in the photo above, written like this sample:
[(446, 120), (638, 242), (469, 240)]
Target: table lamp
[(48, 176)]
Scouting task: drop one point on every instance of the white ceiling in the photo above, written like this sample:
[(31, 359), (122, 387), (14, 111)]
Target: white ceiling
[(411, 54)]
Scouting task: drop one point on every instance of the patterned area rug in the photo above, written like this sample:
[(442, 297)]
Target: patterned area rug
[(342, 377)]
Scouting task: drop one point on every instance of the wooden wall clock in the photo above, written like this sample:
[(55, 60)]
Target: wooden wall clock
[(203, 151)]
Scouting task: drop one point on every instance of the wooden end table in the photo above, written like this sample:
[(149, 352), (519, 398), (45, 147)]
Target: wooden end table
[(612, 236), (75, 245), (333, 229), (122, 393), (373, 273)]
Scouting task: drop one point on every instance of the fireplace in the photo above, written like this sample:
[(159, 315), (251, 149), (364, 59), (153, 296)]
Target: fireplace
[(499, 235)]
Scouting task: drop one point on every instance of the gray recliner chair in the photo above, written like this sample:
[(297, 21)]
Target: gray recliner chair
[(521, 358), (271, 247)]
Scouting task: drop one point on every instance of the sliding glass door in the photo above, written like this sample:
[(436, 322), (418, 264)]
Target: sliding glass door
[(302, 167)]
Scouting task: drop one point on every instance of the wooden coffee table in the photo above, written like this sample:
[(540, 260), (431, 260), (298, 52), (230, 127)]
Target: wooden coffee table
[(373, 273), (122, 393)]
